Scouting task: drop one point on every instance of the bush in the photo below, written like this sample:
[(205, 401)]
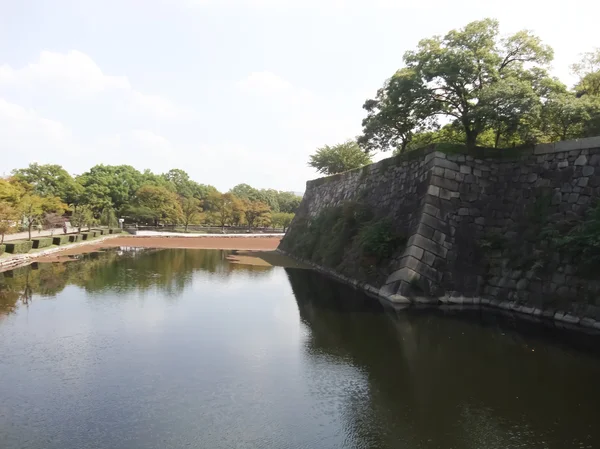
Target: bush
[(378, 239), (583, 242), (60, 240), (349, 231), (18, 247), (42, 242), (2, 249), (75, 238)]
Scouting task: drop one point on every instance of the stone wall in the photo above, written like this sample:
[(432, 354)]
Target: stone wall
[(450, 202)]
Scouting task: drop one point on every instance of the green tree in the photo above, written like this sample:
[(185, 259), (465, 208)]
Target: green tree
[(50, 180), (256, 212), (156, 203), (8, 217), (398, 111), (283, 219), (588, 70), (455, 77), (507, 105), (110, 185), (288, 202), (32, 208), (223, 207), (564, 116), (108, 218), (339, 158), (246, 192), (190, 209), (270, 197), (82, 216)]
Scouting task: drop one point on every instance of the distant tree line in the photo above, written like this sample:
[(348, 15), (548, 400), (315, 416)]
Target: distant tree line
[(475, 87), (40, 194)]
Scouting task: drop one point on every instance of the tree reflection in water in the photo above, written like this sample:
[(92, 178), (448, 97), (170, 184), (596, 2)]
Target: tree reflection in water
[(436, 381), (118, 270)]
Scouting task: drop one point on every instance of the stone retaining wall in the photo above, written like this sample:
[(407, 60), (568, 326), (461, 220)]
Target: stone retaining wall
[(447, 201)]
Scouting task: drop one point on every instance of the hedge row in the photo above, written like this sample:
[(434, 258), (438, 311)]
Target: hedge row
[(60, 240), (18, 247), (41, 242)]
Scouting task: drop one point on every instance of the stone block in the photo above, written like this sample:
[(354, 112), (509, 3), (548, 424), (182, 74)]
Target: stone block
[(587, 170), (429, 258), (433, 190), (403, 274), (562, 164), (425, 231), (426, 244), (450, 174), (444, 163), (583, 182), (431, 210), (573, 197), (444, 183), (439, 237), (581, 160), (465, 169), (433, 222), (414, 251)]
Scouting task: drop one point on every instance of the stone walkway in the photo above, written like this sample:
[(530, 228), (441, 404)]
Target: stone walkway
[(35, 233)]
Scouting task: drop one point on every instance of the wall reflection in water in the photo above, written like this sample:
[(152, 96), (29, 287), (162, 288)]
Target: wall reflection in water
[(441, 382)]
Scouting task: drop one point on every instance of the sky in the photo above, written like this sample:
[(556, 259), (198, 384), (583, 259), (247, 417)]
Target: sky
[(231, 91)]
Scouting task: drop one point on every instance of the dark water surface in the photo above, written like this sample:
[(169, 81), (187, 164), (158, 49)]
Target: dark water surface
[(182, 349)]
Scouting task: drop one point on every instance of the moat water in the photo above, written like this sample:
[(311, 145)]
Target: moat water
[(184, 349)]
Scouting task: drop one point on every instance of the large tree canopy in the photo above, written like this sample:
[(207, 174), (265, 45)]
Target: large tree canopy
[(470, 76), (50, 180), (339, 158)]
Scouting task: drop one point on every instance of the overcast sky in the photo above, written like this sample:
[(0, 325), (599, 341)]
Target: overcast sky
[(231, 91)]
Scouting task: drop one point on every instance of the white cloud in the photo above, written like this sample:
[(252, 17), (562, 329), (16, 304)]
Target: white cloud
[(73, 72), (23, 132), (77, 77)]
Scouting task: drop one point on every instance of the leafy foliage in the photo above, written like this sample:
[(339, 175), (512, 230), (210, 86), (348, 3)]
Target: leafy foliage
[(339, 158), (485, 90), (347, 232)]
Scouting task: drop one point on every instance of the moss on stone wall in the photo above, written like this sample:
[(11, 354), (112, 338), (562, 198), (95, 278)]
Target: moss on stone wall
[(349, 238)]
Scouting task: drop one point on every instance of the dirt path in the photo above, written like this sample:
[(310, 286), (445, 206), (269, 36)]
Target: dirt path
[(229, 243)]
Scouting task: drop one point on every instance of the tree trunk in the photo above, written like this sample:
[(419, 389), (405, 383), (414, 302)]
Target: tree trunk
[(471, 138), (403, 146), (186, 226), (497, 139), (2, 238), (30, 225)]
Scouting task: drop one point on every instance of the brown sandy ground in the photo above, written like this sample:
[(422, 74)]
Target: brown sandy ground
[(255, 245)]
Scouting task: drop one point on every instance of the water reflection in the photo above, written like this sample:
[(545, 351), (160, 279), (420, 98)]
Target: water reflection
[(118, 270), (181, 348), (439, 382)]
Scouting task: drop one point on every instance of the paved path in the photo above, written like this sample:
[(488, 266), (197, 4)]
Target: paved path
[(192, 235), (35, 233)]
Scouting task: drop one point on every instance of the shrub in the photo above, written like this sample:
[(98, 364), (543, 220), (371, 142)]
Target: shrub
[(60, 240), (42, 242), (18, 247), (1, 249), (583, 242), (377, 238)]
